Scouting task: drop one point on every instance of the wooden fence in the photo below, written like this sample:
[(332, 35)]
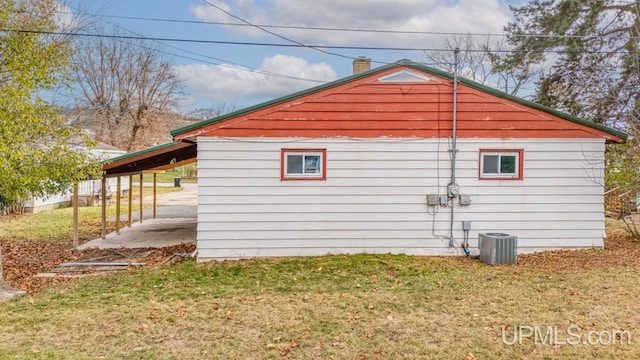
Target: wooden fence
[(619, 203)]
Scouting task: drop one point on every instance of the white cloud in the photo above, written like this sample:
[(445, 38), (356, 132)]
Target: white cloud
[(462, 16), (229, 83), (64, 18)]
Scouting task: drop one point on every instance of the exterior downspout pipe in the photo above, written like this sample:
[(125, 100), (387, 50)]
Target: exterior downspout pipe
[(454, 146)]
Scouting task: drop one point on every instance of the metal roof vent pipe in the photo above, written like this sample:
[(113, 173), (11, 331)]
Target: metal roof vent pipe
[(361, 64)]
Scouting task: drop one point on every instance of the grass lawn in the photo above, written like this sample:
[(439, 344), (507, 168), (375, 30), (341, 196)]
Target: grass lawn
[(582, 304), (342, 307), (56, 225), (165, 177), (148, 191)]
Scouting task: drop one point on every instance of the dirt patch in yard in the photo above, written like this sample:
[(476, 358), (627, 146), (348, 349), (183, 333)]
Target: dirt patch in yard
[(22, 260)]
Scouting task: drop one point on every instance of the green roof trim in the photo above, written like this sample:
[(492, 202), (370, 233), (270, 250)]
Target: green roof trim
[(141, 152), (620, 134)]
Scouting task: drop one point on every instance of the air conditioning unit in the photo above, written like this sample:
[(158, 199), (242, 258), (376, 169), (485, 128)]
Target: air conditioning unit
[(498, 248)]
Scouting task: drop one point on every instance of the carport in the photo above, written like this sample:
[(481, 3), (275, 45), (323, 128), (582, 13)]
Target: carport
[(148, 161)]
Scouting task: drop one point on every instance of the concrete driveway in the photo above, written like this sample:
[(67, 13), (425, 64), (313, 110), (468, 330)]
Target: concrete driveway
[(175, 224)]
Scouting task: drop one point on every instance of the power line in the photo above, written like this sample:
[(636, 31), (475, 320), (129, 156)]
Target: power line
[(275, 34), (338, 29), (343, 47), (220, 62)]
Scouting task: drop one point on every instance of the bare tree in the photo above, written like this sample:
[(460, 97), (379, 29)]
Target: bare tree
[(213, 111), (473, 61), (480, 61), (125, 91)]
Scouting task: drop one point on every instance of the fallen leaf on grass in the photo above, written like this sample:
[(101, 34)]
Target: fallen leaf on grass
[(23, 258), (284, 351)]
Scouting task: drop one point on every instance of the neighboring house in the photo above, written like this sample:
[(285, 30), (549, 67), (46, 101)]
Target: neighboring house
[(365, 165), (88, 191)]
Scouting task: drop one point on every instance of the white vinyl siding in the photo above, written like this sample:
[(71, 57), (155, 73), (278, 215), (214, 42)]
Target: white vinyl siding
[(373, 198)]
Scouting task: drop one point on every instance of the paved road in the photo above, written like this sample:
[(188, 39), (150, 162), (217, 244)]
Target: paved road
[(187, 196), (177, 204)]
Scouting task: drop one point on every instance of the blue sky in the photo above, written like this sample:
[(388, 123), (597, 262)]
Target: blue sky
[(245, 75)]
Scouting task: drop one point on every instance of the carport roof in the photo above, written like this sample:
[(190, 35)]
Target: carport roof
[(160, 157)]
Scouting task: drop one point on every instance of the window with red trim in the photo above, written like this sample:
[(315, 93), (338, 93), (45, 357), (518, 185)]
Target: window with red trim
[(501, 164), (303, 164)]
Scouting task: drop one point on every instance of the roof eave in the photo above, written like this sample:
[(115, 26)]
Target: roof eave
[(159, 157)]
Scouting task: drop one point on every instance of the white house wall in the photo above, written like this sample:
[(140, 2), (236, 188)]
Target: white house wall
[(85, 188), (48, 202), (373, 198)]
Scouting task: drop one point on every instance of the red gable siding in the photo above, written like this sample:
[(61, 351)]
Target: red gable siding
[(367, 108)]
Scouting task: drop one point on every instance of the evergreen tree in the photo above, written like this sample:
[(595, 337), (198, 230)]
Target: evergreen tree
[(592, 49)]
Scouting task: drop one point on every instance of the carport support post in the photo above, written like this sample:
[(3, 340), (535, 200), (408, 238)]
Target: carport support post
[(75, 215), (130, 199), (155, 194), (141, 202), (118, 189), (104, 207)]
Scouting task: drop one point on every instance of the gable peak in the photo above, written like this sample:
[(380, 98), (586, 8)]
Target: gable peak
[(405, 76)]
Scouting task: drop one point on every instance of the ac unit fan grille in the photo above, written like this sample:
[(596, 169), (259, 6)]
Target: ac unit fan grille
[(498, 248)]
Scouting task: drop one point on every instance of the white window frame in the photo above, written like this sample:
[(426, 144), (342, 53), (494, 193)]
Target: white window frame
[(517, 175), (285, 175)]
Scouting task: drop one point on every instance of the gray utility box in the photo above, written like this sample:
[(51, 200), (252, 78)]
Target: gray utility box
[(498, 248)]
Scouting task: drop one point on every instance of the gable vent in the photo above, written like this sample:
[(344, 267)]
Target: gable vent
[(404, 76)]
